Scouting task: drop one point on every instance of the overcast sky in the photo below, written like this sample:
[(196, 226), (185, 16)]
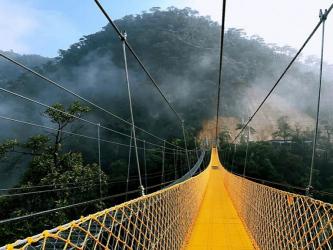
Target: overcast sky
[(42, 27)]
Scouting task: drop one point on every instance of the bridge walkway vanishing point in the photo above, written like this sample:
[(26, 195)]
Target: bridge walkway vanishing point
[(218, 225)]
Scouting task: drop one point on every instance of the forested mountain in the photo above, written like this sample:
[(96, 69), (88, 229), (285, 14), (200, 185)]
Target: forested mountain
[(10, 72), (181, 50)]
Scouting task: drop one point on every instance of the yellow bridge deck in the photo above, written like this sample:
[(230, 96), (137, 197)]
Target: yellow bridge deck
[(218, 226)]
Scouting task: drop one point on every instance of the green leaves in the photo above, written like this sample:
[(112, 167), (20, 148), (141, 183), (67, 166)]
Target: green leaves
[(58, 114), (37, 143), (7, 146)]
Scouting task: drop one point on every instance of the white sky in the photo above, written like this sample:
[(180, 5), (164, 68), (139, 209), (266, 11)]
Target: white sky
[(284, 22), (43, 27)]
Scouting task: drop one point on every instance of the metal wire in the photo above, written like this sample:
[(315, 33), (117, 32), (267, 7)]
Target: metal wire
[(233, 157), (277, 219), (148, 222), (185, 144), (263, 181), (220, 72), (76, 204), (129, 164), (65, 113), (132, 116), (23, 217), (145, 161), (75, 185), (322, 17), (246, 151), (75, 134), (163, 164), (99, 159), (122, 38), (77, 95), (86, 185)]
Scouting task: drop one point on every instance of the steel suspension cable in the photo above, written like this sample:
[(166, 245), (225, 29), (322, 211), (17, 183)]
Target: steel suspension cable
[(129, 164), (71, 133), (145, 162), (122, 38), (126, 43), (246, 152), (77, 95), (163, 164), (185, 144), (322, 17), (76, 204), (69, 186), (325, 15), (52, 190), (64, 207), (175, 162), (14, 195), (62, 87), (272, 182), (58, 110), (131, 112), (233, 157), (99, 159), (220, 72), (71, 115), (196, 148)]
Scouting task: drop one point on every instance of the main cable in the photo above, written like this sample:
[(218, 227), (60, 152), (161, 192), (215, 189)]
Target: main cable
[(122, 38), (126, 43), (220, 72)]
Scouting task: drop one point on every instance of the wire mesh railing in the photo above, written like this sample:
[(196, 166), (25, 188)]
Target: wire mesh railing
[(277, 219), (160, 220)]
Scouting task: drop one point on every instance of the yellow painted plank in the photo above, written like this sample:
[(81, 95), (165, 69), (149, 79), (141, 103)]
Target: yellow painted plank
[(218, 225)]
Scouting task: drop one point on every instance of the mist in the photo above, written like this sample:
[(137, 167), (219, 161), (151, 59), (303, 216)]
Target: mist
[(185, 66)]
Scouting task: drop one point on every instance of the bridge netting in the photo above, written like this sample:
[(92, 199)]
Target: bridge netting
[(160, 220), (277, 219), (274, 219)]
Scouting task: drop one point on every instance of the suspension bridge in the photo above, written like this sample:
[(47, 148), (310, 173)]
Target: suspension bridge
[(207, 207)]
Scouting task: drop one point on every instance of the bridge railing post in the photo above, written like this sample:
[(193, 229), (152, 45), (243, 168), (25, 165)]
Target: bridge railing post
[(322, 17), (128, 165), (145, 162), (99, 159), (246, 152), (163, 165), (185, 144)]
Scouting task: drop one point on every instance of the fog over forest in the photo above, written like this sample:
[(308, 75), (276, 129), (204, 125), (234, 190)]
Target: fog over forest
[(181, 50)]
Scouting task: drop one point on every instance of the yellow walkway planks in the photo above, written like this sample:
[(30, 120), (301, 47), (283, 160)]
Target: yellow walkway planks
[(218, 225)]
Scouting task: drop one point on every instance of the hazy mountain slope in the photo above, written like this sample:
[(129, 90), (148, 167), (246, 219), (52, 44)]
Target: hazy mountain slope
[(181, 50), (9, 71)]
